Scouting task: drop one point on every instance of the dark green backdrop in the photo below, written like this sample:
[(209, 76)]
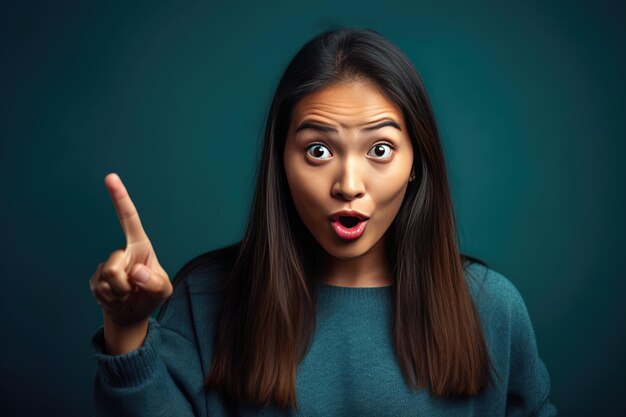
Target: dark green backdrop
[(530, 102)]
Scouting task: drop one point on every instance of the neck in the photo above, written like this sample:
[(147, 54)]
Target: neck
[(370, 269)]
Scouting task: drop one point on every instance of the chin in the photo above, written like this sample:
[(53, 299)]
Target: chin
[(347, 249)]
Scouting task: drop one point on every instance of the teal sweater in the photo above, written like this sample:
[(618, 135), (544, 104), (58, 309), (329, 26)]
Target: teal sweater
[(349, 370)]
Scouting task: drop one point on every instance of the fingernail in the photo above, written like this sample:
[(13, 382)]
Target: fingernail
[(141, 275)]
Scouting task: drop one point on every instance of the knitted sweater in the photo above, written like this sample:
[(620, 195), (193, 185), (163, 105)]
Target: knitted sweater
[(350, 368)]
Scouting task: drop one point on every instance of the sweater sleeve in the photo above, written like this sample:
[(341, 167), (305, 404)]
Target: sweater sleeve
[(529, 382), (163, 377), (152, 380)]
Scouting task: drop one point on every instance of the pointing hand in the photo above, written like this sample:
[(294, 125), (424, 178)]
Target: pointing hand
[(131, 284)]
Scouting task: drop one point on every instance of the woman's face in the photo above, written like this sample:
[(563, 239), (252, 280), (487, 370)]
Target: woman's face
[(348, 149)]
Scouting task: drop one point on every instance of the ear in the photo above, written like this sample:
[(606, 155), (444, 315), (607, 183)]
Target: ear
[(412, 176)]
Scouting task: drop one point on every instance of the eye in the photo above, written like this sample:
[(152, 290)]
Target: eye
[(381, 150), (318, 151)]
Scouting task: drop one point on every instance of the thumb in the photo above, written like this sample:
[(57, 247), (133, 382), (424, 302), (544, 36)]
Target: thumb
[(147, 280), (140, 274)]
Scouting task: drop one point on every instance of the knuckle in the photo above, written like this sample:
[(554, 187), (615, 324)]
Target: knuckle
[(111, 270), (101, 299), (118, 288), (130, 212), (101, 288)]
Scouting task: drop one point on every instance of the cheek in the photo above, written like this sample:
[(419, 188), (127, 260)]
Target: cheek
[(307, 199), (306, 194), (388, 189), (388, 197)]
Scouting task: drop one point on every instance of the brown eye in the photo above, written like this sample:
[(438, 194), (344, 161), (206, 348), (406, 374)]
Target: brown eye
[(380, 150), (318, 151)]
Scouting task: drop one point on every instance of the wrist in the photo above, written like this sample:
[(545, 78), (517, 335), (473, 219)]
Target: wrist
[(120, 339)]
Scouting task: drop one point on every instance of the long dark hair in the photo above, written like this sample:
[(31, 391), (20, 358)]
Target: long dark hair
[(267, 316)]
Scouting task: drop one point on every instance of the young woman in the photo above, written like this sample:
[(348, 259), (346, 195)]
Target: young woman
[(347, 294)]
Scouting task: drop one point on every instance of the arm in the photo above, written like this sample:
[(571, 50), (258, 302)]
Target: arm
[(160, 378), (529, 382), (145, 368)]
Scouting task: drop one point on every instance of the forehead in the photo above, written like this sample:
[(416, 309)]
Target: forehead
[(349, 103)]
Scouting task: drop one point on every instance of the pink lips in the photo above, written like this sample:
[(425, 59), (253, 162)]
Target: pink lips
[(348, 233)]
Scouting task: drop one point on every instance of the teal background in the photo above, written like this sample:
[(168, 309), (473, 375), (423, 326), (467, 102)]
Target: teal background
[(530, 100)]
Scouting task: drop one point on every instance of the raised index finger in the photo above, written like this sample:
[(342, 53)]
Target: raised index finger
[(126, 211)]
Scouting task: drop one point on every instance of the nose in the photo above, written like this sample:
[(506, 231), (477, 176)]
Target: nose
[(349, 183)]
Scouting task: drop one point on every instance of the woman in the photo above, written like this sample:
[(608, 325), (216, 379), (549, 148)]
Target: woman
[(347, 295)]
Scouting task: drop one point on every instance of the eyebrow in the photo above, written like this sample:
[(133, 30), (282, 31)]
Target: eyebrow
[(325, 128)]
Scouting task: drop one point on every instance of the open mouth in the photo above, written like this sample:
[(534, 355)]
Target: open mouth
[(349, 227), (349, 221)]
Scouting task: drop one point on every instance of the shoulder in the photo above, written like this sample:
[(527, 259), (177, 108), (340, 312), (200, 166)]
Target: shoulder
[(203, 275), (494, 295), (511, 341), (207, 271), (503, 313)]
